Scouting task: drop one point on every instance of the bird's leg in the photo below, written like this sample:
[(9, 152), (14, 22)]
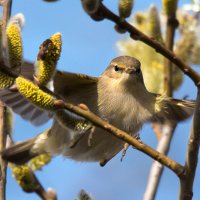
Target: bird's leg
[(126, 145)]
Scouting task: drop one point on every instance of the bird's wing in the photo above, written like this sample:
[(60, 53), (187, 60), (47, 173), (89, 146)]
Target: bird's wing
[(66, 82), (174, 109)]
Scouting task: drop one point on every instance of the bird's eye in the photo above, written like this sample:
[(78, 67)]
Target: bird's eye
[(117, 68)]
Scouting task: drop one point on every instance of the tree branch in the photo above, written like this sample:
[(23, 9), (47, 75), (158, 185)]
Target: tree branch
[(157, 168), (7, 5), (97, 121), (138, 35), (3, 133), (172, 24), (40, 191), (3, 163), (186, 186)]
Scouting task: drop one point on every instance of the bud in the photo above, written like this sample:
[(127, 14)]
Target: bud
[(34, 94), (169, 7), (15, 47), (141, 21), (83, 195), (6, 81), (47, 58), (125, 8), (18, 19), (90, 6), (153, 24), (38, 162)]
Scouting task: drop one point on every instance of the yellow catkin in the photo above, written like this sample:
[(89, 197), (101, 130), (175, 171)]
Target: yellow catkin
[(125, 8), (6, 81), (169, 6), (46, 64), (153, 24), (15, 48), (38, 162), (24, 177), (36, 96)]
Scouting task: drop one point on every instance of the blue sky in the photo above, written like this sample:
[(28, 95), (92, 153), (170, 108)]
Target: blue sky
[(88, 47)]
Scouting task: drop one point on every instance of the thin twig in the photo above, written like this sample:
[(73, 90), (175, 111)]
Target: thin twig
[(3, 163), (138, 35), (7, 5), (172, 23), (40, 191), (157, 168), (186, 186)]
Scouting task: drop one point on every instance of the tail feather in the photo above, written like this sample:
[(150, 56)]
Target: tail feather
[(19, 153), (174, 109)]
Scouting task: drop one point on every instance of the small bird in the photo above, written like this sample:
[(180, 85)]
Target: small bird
[(119, 96)]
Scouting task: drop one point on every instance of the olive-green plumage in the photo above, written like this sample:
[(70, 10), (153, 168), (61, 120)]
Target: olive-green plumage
[(119, 96)]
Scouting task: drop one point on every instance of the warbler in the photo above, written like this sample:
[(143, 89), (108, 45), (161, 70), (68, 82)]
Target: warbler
[(118, 95)]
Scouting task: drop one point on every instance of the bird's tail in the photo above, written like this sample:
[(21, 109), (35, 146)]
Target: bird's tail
[(174, 109), (20, 153)]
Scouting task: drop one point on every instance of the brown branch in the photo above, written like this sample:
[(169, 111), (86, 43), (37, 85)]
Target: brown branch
[(97, 121), (3, 163), (172, 24), (138, 35), (186, 189), (40, 191), (7, 5), (3, 133)]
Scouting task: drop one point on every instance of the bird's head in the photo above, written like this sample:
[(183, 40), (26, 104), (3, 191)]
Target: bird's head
[(124, 71)]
